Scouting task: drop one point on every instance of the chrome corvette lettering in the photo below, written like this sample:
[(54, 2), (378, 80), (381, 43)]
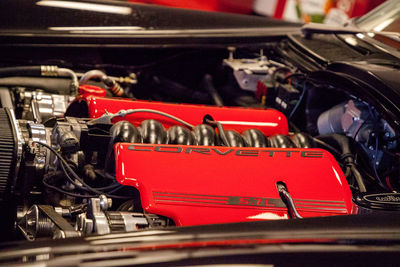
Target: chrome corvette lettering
[(169, 149), (242, 152), (140, 147), (201, 150), (221, 152), (288, 153)]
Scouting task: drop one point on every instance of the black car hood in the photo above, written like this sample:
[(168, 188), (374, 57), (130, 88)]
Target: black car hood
[(339, 238), (117, 23), (48, 15)]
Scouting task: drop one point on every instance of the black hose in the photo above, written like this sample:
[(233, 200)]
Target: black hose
[(209, 85), (328, 146), (221, 130), (111, 84), (50, 85), (294, 128), (42, 71), (45, 183), (343, 142), (22, 70)]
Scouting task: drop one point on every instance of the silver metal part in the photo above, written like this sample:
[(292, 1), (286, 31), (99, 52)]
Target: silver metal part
[(44, 221), (355, 119), (37, 132), (103, 222), (5, 98), (45, 105), (346, 118), (39, 106), (100, 222), (122, 221), (133, 220), (330, 120), (250, 66), (249, 71), (51, 71), (62, 211), (93, 74), (33, 225), (105, 203), (84, 224), (48, 221), (231, 50)]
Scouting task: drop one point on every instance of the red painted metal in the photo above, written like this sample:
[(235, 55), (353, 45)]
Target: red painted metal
[(206, 185), (92, 90), (269, 121)]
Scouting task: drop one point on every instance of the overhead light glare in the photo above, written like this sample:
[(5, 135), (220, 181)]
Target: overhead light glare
[(101, 29), (121, 10)]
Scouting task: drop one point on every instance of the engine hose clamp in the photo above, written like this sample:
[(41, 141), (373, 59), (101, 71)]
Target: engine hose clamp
[(51, 71)]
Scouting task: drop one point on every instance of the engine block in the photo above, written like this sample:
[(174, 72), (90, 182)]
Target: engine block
[(201, 182)]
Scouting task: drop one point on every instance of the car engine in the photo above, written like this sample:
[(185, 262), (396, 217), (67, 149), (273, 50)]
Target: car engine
[(253, 136)]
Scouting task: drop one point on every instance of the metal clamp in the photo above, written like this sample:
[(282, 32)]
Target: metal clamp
[(288, 200)]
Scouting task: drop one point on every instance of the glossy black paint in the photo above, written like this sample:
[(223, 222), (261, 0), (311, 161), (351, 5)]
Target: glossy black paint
[(179, 135), (255, 138), (205, 135), (383, 79), (235, 139), (120, 23), (44, 14), (363, 240), (281, 141), (153, 132), (302, 140), (125, 132)]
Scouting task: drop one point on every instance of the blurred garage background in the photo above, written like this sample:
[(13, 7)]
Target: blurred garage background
[(323, 11)]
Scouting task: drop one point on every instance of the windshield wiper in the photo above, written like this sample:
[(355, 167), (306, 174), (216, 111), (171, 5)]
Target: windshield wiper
[(313, 28)]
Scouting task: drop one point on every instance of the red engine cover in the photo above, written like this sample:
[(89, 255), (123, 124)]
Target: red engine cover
[(268, 121), (206, 185)]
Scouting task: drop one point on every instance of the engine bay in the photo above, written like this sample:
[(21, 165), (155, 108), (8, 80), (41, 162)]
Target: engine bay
[(167, 137)]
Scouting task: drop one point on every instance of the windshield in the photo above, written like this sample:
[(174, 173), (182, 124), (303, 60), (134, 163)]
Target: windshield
[(384, 18)]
